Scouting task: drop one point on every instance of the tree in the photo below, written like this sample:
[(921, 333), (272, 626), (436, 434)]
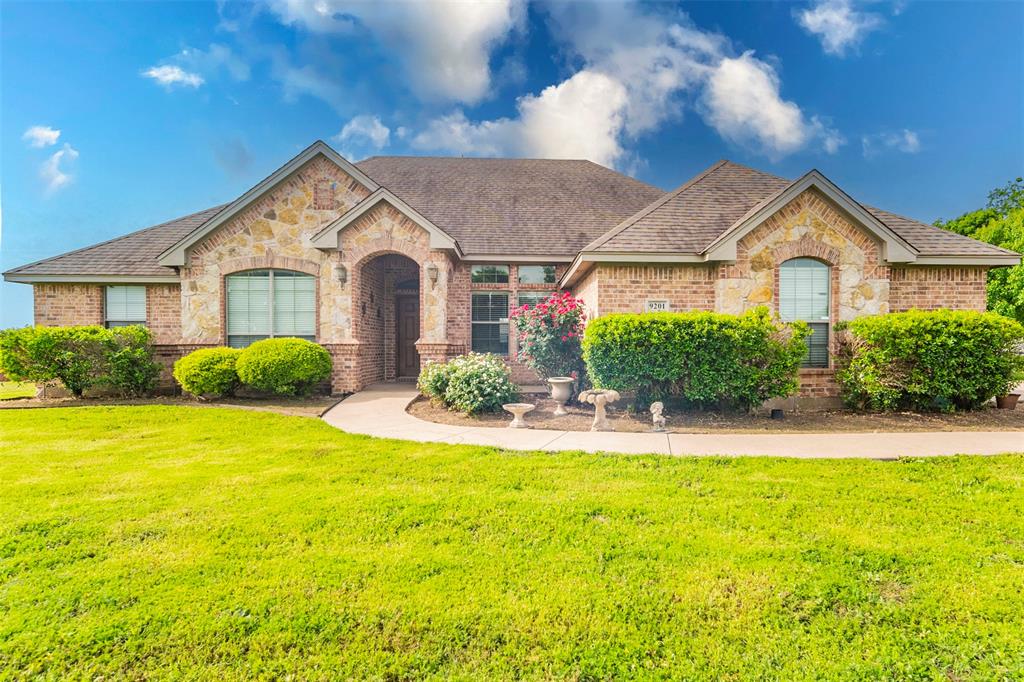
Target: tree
[(1000, 223)]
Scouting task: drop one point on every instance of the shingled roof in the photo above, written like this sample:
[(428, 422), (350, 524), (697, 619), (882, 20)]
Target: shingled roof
[(530, 207), (525, 207), (688, 219)]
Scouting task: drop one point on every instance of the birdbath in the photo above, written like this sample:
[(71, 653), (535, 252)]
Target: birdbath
[(561, 391), (517, 410), (600, 398)]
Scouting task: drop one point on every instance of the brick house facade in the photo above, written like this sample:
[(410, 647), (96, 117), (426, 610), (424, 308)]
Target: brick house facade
[(402, 258)]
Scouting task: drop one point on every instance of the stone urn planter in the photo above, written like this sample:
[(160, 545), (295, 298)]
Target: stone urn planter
[(600, 398), (561, 391), (517, 410), (1008, 402)]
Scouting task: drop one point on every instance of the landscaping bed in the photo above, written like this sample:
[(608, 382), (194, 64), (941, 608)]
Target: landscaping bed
[(580, 418), (160, 542)]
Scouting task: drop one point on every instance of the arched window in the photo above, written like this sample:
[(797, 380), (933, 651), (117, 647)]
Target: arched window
[(265, 303), (804, 295)]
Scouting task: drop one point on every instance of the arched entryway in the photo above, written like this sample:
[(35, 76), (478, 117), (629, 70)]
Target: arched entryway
[(386, 317)]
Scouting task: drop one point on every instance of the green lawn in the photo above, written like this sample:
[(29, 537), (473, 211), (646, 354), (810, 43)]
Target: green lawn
[(177, 542), (16, 389)]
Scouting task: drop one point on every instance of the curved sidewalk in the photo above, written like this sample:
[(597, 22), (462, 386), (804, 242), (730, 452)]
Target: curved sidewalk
[(380, 411)]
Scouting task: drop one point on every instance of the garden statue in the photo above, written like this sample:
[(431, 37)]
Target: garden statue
[(599, 398), (518, 410), (657, 417)]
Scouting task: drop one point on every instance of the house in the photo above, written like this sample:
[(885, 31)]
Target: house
[(394, 261)]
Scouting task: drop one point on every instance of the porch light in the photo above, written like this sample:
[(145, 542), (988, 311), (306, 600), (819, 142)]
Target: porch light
[(432, 274), (341, 272)]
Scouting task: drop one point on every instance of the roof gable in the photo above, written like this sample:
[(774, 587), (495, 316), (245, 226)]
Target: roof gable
[(895, 249), (175, 255), (327, 238)]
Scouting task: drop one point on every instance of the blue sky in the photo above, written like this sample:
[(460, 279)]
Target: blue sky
[(116, 115)]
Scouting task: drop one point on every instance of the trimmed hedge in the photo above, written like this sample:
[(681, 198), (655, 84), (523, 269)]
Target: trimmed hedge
[(707, 359), (284, 366), (928, 360), (84, 357), (208, 371)]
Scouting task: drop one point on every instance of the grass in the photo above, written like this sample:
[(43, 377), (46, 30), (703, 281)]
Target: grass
[(16, 389), (174, 542)]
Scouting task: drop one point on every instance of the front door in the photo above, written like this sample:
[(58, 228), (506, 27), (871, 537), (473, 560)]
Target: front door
[(407, 331)]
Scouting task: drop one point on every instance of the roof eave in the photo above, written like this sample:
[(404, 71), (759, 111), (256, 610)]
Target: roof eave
[(43, 278)]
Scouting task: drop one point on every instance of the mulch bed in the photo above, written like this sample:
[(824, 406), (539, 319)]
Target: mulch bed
[(580, 418)]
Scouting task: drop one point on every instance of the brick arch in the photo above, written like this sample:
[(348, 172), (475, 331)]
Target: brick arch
[(805, 247), (362, 255), (269, 261)]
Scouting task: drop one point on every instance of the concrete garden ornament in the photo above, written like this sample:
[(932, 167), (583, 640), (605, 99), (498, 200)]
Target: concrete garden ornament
[(561, 391), (657, 418), (600, 398), (517, 410)]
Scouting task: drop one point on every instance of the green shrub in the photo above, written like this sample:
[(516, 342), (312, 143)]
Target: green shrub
[(479, 383), (433, 379), (284, 366), (706, 359), (81, 357), (208, 371), (935, 360)]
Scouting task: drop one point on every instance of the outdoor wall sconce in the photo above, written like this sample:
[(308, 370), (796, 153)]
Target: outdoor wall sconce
[(341, 272), (432, 274)]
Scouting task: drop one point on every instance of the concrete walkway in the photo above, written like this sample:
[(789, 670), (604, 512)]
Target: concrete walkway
[(380, 411)]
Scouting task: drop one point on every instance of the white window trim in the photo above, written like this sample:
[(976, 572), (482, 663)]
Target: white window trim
[(107, 320), (270, 305), (507, 321)]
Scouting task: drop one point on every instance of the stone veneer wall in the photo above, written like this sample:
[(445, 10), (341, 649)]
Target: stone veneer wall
[(927, 287)]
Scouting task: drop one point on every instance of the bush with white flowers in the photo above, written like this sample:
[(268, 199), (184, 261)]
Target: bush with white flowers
[(475, 383)]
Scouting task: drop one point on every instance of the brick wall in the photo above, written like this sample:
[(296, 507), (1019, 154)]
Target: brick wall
[(927, 287), (62, 305), (625, 288), (163, 312)]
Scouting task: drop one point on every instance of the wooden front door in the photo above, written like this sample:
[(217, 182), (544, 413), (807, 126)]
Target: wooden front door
[(407, 331)]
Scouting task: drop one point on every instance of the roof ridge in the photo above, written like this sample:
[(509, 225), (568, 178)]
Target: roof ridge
[(655, 205), (114, 239)]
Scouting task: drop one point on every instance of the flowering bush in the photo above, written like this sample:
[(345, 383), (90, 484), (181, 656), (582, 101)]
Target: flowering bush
[(477, 383), (433, 379), (549, 335)]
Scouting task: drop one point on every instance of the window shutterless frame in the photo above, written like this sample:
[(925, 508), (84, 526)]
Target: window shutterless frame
[(805, 294), (489, 322), (124, 305), (262, 304)]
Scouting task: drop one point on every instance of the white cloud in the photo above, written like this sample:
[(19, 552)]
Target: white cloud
[(579, 118), (444, 45), (364, 132), (170, 75), (212, 60), (41, 136), (54, 177), (639, 72), (838, 26), (905, 141)]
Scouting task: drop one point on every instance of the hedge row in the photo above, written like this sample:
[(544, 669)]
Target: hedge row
[(283, 366), (118, 359), (937, 360), (706, 359)]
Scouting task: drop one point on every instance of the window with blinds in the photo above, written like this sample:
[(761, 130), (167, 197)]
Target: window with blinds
[(262, 304), (804, 295), (125, 305), (490, 323), (532, 298)]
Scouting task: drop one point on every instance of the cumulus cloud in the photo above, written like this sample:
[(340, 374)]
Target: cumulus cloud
[(905, 141), (838, 26), (41, 136), (170, 75), (53, 175), (639, 71), (364, 132), (443, 45)]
